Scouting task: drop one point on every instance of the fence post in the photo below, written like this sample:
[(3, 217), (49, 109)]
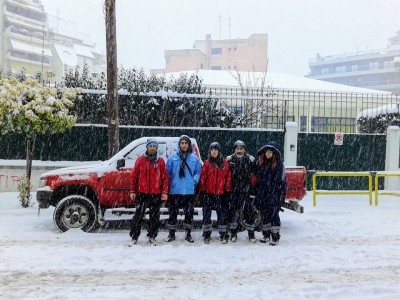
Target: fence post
[(392, 157), (290, 146)]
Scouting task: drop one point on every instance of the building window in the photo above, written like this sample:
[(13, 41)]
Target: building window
[(216, 68), (354, 68), (340, 69), (216, 51), (373, 65), (387, 64), (324, 71)]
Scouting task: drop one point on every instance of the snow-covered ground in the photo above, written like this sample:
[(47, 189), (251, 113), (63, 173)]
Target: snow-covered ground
[(341, 249)]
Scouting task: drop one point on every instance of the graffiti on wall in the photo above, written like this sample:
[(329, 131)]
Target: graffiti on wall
[(8, 181)]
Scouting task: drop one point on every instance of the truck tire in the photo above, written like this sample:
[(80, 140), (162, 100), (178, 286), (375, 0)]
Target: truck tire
[(75, 211), (257, 218)]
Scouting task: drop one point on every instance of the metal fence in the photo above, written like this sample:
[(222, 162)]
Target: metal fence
[(313, 111)]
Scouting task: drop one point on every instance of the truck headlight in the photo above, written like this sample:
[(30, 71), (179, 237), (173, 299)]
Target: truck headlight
[(42, 182)]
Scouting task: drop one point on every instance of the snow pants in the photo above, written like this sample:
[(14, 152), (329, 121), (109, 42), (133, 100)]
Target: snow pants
[(175, 203), (238, 201), (220, 204), (153, 203), (270, 218)]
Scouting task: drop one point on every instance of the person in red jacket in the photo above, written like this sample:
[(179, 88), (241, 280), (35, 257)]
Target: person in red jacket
[(215, 181), (149, 187)]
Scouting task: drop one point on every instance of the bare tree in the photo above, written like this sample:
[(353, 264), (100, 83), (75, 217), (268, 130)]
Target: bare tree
[(260, 104)]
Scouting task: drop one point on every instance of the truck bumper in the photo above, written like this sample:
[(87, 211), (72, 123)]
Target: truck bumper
[(293, 205), (43, 197)]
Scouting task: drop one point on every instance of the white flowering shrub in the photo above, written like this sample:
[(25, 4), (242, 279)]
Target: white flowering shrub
[(30, 109)]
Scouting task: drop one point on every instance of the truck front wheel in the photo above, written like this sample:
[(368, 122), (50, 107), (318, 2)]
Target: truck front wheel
[(74, 212)]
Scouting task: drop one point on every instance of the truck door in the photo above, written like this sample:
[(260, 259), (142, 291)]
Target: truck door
[(117, 184)]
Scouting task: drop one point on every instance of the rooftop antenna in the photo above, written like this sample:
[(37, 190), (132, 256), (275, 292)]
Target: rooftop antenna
[(229, 35), (219, 20)]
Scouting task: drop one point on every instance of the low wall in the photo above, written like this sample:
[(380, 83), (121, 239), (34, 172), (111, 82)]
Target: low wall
[(12, 170)]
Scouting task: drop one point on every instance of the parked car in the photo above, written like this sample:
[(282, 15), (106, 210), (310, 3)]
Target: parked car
[(81, 195)]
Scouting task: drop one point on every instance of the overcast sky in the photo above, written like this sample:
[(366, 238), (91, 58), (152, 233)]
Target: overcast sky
[(297, 29)]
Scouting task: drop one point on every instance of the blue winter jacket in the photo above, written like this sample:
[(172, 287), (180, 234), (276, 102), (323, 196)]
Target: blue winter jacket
[(183, 185), (271, 185)]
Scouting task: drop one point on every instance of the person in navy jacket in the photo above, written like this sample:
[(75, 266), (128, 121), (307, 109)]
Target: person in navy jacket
[(215, 182), (271, 190), (149, 187), (183, 169)]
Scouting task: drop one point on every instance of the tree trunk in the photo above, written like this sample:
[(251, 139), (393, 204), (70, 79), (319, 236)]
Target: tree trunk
[(24, 185), (30, 146), (112, 79)]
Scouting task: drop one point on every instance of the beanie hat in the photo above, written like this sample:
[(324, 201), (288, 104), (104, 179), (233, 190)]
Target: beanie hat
[(151, 142), (239, 143), (187, 139), (215, 146)]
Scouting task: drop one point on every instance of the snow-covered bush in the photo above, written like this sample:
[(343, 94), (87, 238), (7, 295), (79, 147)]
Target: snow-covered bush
[(377, 120), (30, 109), (163, 109)]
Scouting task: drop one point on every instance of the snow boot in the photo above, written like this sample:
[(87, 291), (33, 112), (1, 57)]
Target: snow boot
[(275, 239), (132, 242), (188, 236), (207, 237), (153, 241), (233, 235), (224, 238), (266, 236), (252, 238), (171, 236)]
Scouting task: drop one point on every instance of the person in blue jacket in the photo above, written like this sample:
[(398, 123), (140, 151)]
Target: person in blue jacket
[(183, 169), (271, 190)]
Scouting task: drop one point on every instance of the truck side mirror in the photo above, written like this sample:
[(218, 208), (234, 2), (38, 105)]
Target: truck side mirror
[(120, 163)]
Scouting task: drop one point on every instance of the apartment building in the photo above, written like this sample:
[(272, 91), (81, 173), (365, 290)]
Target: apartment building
[(24, 36), (374, 69), (34, 40), (249, 54)]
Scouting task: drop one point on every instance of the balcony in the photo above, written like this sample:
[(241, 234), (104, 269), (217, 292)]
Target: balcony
[(26, 36)]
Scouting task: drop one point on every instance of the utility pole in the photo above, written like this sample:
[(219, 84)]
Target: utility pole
[(112, 79)]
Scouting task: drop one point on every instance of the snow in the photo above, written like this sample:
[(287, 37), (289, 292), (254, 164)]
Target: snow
[(280, 81), (341, 249), (381, 110), (67, 55)]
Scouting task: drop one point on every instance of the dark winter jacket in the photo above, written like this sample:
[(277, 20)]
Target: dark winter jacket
[(242, 169), (150, 177), (214, 179), (271, 184)]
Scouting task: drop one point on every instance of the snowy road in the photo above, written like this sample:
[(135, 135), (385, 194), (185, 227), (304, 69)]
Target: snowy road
[(341, 249)]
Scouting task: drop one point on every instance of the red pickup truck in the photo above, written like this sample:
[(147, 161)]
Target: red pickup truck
[(81, 195)]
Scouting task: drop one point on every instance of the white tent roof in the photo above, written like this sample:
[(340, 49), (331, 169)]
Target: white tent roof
[(83, 51), (217, 78), (67, 55)]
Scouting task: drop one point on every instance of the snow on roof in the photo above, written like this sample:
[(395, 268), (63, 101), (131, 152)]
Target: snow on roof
[(281, 81), (67, 55), (83, 51), (16, 45)]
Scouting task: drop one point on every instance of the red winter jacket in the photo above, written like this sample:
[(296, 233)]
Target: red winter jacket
[(150, 177), (214, 180)]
